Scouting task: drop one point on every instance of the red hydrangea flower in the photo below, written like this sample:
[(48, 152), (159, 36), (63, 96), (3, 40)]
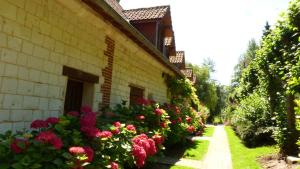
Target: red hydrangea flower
[(115, 131), (36, 124), (57, 143), (158, 112), (145, 102), (188, 119), (49, 137), (152, 150), (179, 120), (14, 146), (74, 113), (163, 125), (91, 131), (130, 127), (191, 129), (105, 134), (114, 165), (158, 139), (52, 120), (173, 121), (117, 124), (76, 150), (89, 153), (140, 117), (139, 155), (88, 119), (86, 109)]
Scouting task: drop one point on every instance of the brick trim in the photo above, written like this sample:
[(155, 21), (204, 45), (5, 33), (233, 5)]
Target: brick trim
[(107, 71)]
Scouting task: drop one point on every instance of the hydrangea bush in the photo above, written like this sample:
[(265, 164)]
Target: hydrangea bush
[(78, 140)]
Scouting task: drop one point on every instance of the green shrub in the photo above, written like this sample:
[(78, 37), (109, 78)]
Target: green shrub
[(252, 121)]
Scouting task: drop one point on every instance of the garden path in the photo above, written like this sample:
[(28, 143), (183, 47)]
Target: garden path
[(218, 156)]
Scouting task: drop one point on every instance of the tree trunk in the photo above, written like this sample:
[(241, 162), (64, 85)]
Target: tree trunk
[(291, 147)]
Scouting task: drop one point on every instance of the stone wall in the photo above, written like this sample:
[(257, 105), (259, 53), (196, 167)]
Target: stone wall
[(38, 37)]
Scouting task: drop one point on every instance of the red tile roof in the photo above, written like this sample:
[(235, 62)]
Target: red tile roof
[(157, 12), (116, 6)]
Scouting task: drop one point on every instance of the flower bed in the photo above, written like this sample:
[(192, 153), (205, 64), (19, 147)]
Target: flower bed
[(79, 140)]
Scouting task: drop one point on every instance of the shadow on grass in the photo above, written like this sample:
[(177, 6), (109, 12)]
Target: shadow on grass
[(190, 150)]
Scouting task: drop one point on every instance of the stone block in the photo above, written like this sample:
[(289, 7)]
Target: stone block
[(41, 52), (41, 90), (21, 14), (27, 115), (53, 92), (18, 3), (22, 59), (14, 43), (25, 87), (18, 126), (37, 115), (12, 101), (9, 56), (8, 10), (17, 115), (34, 75), (44, 77), (4, 127), (9, 85), (3, 39), (31, 7), (4, 115), (55, 104), (31, 103), (44, 104), (37, 37), (2, 68), (35, 62), (23, 73), (27, 47)]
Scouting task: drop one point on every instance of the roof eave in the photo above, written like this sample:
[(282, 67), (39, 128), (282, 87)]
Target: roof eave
[(102, 8)]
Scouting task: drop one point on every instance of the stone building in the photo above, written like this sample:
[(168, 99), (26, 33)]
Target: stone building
[(56, 55)]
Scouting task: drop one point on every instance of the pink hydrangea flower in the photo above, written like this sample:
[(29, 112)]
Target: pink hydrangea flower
[(86, 109), (36, 124), (52, 120), (105, 134), (51, 138), (73, 113), (117, 124), (131, 127), (158, 112), (114, 165), (14, 146)]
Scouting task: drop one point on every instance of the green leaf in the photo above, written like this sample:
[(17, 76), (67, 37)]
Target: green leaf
[(67, 155), (58, 162), (17, 166)]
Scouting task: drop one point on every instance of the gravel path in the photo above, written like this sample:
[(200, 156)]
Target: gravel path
[(218, 155)]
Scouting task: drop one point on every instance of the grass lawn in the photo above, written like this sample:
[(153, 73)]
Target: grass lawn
[(243, 157), (209, 131), (180, 167), (197, 151)]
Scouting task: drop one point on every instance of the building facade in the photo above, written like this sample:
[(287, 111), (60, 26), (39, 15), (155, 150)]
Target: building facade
[(60, 54)]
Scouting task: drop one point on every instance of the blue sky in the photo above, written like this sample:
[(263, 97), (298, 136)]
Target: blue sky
[(216, 29)]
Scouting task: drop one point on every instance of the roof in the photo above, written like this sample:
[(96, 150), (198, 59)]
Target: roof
[(179, 58), (116, 6), (188, 72), (157, 12), (105, 9)]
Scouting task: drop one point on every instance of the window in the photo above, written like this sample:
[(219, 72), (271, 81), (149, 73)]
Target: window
[(135, 94), (74, 94), (80, 89)]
